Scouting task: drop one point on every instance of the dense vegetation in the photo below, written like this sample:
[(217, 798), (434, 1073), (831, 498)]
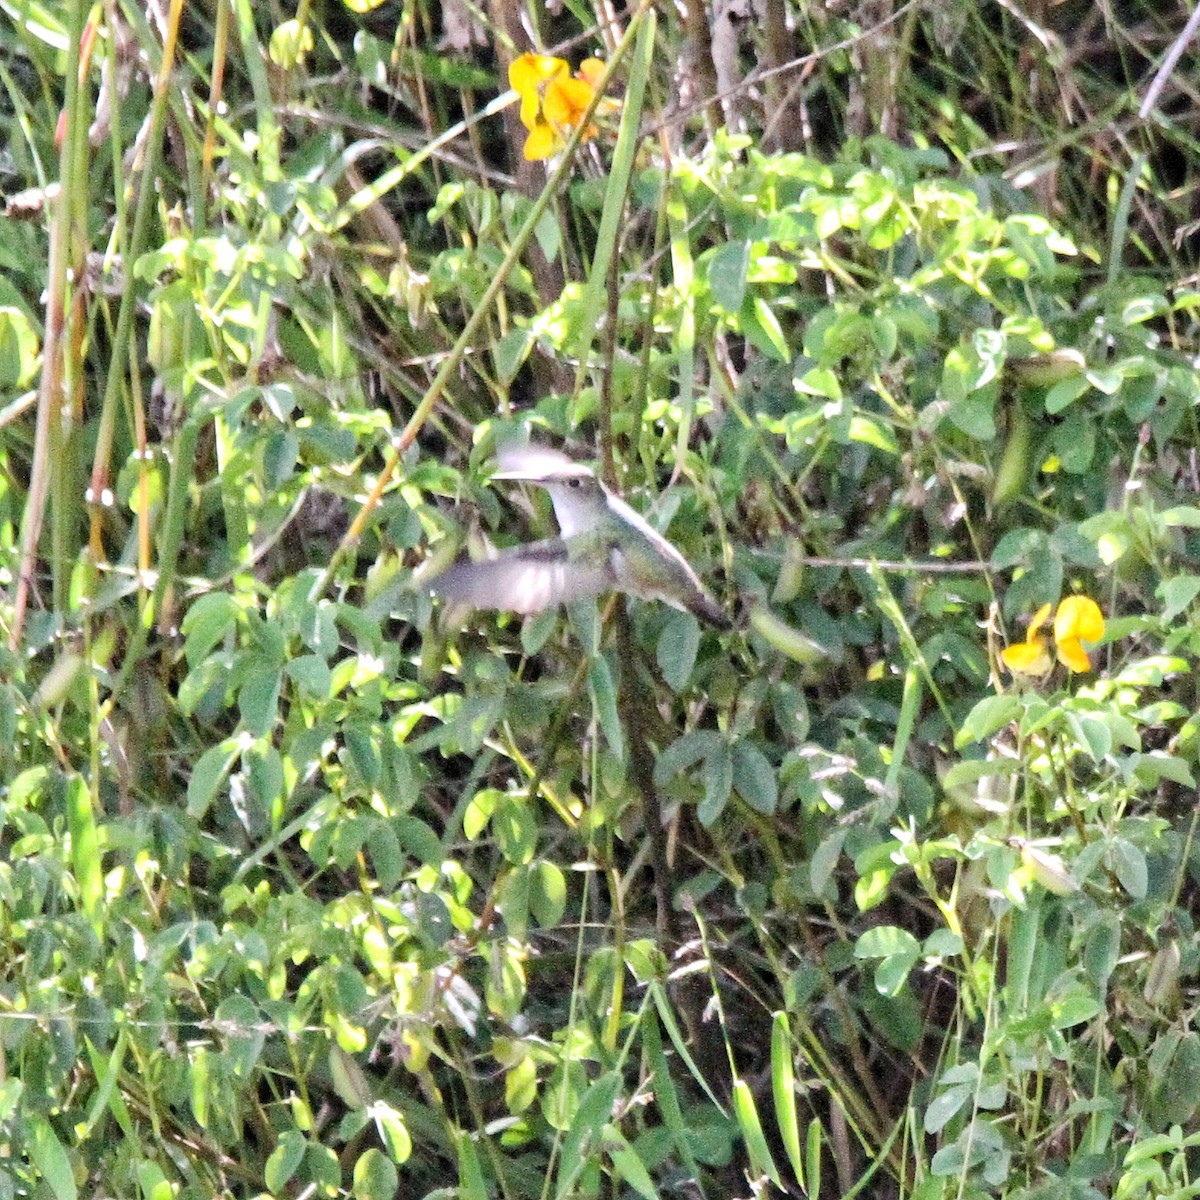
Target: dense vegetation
[(314, 886)]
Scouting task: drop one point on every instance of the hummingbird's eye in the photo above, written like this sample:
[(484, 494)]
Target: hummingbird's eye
[(574, 482)]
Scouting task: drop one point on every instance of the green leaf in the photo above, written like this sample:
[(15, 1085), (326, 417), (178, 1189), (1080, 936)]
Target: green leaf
[(629, 1164), (1075, 1006), (1019, 546), (1150, 769), (201, 1081), (549, 234), (582, 1140), (433, 919), (785, 638), (684, 753), (206, 623), (875, 866), (1185, 516), (762, 329), (536, 631), (50, 1157), (812, 1149), (1177, 594), (85, 847), (209, 773), (375, 1176), (107, 1097), (754, 778), (515, 828), (1102, 949), (347, 1076), (783, 1091), (479, 811), (418, 840), (1092, 735), (616, 183), (520, 1085), (258, 700), (604, 700), (974, 414), (363, 754), (726, 273), (885, 335), (873, 433), (1074, 442), (311, 672), (989, 715), (240, 1021), (470, 1175), (825, 858), (1177, 1090), (819, 381), (152, 1182), (746, 1111), (280, 455), (884, 941), (18, 350), (945, 1106), (284, 1159), (265, 776), (966, 775), (898, 950), (547, 894), (510, 352), (677, 647), (666, 1092), (718, 783), (1065, 393), (387, 858), (1129, 865)]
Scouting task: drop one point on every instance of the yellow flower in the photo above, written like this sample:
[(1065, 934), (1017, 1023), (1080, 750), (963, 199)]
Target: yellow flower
[(528, 76), (1078, 620), (1032, 656), (552, 101)]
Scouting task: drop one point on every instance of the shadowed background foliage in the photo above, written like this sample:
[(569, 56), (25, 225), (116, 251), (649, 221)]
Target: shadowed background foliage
[(885, 315)]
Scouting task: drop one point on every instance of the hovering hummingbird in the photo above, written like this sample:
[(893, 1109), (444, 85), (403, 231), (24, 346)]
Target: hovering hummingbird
[(603, 545)]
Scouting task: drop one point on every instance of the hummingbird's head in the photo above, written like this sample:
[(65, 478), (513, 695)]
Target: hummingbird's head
[(579, 500)]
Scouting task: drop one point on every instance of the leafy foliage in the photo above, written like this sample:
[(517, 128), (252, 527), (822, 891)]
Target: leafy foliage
[(310, 886)]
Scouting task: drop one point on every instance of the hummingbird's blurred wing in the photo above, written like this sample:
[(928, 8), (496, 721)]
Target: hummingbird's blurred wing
[(525, 579)]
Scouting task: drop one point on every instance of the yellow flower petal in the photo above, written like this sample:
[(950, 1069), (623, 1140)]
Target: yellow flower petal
[(1078, 620), (590, 71), (565, 101), (1032, 656), (1039, 619), (1070, 654), (531, 109), (541, 142), (1028, 658), (530, 71), (528, 77), (1078, 617)]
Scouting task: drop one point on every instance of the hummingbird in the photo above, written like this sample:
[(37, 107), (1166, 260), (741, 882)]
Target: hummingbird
[(603, 545)]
